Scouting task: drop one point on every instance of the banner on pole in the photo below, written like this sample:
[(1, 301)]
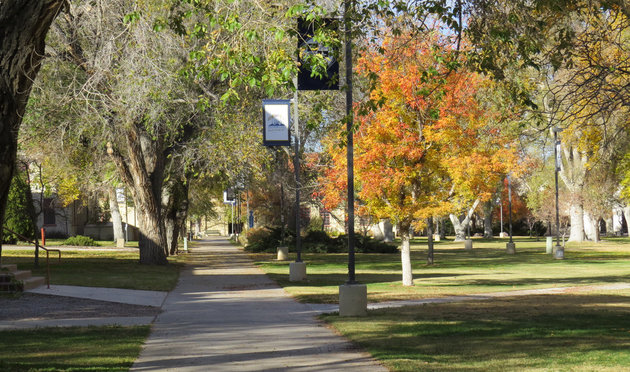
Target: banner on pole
[(276, 122), (319, 67), (229, 197)]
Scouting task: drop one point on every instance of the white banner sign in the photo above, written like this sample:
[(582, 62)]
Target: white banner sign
[(276, 122)]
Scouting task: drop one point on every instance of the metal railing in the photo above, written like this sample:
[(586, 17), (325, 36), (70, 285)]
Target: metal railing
[(38, 246)]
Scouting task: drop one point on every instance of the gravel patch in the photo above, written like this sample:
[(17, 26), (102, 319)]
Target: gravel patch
[(31, 306)]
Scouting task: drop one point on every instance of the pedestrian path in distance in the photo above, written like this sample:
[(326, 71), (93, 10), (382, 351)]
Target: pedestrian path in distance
[(227, 315)]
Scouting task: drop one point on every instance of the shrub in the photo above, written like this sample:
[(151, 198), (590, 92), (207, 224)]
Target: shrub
[(16, 215), (315, 224), (366, 244), (80, 240), (266, 239)]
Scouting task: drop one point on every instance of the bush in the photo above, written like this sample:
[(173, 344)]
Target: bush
[(80, 240), (266, 239), (316, 241), (367, 244), (16, 215), (315, 224)]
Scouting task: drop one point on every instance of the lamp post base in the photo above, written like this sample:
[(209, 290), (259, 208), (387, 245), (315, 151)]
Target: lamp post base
[(558, 252), (283, 253), (297, 271), (353, 300), (510, 248)]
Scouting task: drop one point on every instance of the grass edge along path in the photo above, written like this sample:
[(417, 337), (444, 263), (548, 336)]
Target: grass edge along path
[(97, 268), (576, 332), (110, 348)]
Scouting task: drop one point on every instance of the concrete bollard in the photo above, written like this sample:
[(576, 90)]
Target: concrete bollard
[(549, 249), (510, 248), (283, 253), (352, 300), (468, 245), (558, 252), (297, 271)]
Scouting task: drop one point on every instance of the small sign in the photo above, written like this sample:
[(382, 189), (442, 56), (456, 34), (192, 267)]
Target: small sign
[(250, 219), (558, 156), (228, 197), (120, 195), (276, 122)]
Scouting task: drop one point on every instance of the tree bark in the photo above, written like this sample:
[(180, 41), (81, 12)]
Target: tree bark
[(23, 28), (461, 226), (175, 204), (591, 228), (115, 212), (487, 219), (142, 171), (576, 215), (573, 174), (405, 254)]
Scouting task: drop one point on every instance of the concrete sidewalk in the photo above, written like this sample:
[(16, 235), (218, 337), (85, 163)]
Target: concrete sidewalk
[(124, 296), (226, 315)]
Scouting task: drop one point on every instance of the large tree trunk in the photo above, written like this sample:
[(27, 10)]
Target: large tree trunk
[(175, 204), (115, 212), (591, 227), (143, 171), (460, 226), (405, 254), (573, 174), (487, 219), (23, 28), (576, 215), (152, 241)]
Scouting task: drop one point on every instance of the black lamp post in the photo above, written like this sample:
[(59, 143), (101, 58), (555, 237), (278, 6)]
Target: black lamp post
[(510, 246), (350, 140), (559, 251)]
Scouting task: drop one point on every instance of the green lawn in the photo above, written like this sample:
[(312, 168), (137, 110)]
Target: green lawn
[(112, 269), (578, 332), (456, 272), (100, 243), (71, 349)]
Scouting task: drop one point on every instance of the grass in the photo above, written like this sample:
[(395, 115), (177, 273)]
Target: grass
[(578, 332), (99, 243), (71, 349), (457, 272), (97, 268)]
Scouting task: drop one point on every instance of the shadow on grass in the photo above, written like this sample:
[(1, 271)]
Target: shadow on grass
[(560, 332)]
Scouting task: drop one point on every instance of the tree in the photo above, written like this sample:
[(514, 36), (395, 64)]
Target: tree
[(429, 146), (23, 26)]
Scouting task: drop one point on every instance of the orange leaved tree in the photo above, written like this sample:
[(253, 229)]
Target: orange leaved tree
[(429, 145)]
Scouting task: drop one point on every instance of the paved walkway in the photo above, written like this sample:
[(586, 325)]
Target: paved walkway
[(226, 315), (123, 296)]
